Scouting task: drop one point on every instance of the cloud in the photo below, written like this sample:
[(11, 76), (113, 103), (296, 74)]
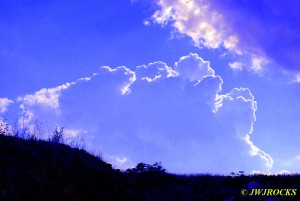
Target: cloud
[(177, 115), (192, 67), (236, 65), (43, 102), (124, 85), (4, 103), (281, 172), (234, 105), (257, 33), (40, 100), (46, 97), (154, 71), (297, 78), (195, 19)]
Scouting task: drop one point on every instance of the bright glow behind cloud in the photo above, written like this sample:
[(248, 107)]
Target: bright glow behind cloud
[(197, 20), (256, 33), (176, 115)]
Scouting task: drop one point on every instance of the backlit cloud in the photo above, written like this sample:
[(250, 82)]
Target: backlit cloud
[(176, 115), (192, 67), (257, 33)]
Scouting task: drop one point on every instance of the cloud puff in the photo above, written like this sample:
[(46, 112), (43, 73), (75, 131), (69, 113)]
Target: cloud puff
[(4, 103), (154, 71), (176, 115), (192, 67), (258, 33), (195, 19)]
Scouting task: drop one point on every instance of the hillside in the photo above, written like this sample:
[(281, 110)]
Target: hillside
[(39, 170)]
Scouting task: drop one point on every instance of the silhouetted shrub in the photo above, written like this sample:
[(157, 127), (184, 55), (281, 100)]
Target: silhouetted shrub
[(58, 134), (156, 168)]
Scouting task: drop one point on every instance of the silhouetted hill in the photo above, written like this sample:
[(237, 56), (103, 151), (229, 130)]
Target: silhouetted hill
[(37, 170)]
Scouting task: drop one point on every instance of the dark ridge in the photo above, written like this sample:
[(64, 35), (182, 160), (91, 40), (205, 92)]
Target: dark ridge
[(32, 170), (38, 170)]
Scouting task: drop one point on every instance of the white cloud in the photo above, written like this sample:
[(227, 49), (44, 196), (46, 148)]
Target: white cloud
[(255, 151), (241, 93), (4, 103), (121, 161), (239, 105), (193, 68), (154, 71), (258, 62), (176, 115), (45, 97), (284, 172), (281, 172), (124, 85), (43, 102), (196, 19), (236, 65), (252, 40)]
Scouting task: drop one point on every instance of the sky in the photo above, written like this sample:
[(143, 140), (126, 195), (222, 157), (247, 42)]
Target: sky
[(200, 86)]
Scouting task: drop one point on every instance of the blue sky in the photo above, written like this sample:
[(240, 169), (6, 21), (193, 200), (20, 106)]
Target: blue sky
[(202, 86)]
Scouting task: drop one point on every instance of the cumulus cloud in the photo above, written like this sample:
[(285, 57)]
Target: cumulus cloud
[(43, 102), (192, 67), (177, 115), (42, 99), (154, 71), (257, 33), (45, 97), (4, 103), (124, 85), (234, 105)]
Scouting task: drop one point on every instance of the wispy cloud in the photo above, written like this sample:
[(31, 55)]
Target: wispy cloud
[(4, 103)]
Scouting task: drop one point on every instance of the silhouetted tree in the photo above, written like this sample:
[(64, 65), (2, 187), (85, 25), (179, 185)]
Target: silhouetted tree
[(146, 168)]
